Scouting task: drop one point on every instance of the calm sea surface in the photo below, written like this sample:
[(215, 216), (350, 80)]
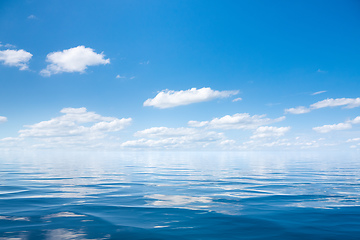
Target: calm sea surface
[(179, 195)]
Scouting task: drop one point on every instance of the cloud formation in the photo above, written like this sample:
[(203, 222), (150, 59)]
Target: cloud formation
[(31, 17), (329, 128), (76, 59), (236, 121), (339, 126), (74, 127), (3, 119), (319, 92), (15, 58), (297, 110), (267, 132), (329, 102), (169, 138), (237, 99), (118, 76), (170, 98)]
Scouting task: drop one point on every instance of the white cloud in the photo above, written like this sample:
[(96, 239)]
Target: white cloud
[(169, 138), (15, 58), (197, 124), (32, 17), (329, 128), (319, 92), (155, 132), (329, 102), (170, 98), (237, 121), (75, 59), (353, 140), (73, 128), (297, 110), (266, 131), (282, 143), (340, 126), (118, 76), (237, 99), (8, 45), (355, 120), (321, 71), (3, 119)]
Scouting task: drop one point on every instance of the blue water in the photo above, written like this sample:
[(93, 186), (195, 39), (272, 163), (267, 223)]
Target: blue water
[(179, 195)]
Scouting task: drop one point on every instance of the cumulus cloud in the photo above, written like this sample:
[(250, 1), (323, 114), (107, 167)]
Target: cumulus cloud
[(169, 138), (355, 120), (75, 126), (329, 102), (236, 121), (339, 126), (329, 128), (3, 119), (76, 59), (170, 98), (15, 58), (267, 131)]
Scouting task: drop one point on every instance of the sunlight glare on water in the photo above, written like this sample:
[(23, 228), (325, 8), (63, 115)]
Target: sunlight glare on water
[(179, 195)]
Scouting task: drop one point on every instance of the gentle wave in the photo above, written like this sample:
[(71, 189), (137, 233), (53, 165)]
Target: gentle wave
[(179, 196)]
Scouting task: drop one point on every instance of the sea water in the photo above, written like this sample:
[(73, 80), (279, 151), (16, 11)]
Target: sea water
[(179, 195)]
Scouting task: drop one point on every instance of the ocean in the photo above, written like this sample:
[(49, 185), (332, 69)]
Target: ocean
[(179, 195)]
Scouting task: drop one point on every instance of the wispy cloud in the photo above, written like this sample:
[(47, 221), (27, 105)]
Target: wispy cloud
[(297, 110), (329, 102), (237, 99), (8, 45), (15, 58), (329, 128), (269, 132), (145, 62), (336, 127), (118, 76), (31, 17), (319, 92), (76, 59), (3, 119), (170, 98), (236, 121), (170, 138), (321, 71), (353, 140)]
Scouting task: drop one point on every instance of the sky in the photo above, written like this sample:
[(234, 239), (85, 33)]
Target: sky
[(180, 75)]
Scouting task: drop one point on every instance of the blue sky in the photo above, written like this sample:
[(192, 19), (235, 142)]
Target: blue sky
[(200, 75)]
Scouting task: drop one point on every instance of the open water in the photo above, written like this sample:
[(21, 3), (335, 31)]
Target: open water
[(178, 195)]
